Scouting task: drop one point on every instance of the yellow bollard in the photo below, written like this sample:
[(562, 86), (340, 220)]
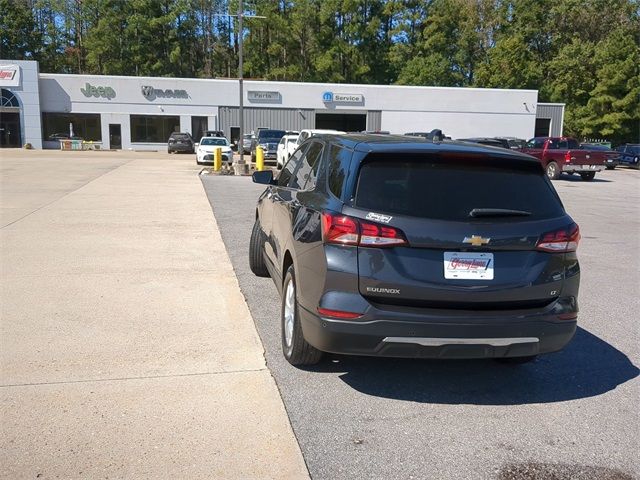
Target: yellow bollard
[(217, 159), (259, 159)]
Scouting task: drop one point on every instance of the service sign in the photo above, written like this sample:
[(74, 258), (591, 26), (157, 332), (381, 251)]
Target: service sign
[(9, 76), (343, 98), (348, 98)]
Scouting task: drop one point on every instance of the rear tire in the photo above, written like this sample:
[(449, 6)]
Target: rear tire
[(552, 171), (295, 348), (256, 251), (516, 360), (588, 176), (611, 167)]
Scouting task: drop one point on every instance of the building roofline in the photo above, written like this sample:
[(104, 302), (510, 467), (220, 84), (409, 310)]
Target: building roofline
[(280, 82), (550, 104)]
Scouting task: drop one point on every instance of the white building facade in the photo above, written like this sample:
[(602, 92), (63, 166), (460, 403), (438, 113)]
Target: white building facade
[(139, 113)]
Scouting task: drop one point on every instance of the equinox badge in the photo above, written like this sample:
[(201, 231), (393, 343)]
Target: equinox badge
[(476, 240)]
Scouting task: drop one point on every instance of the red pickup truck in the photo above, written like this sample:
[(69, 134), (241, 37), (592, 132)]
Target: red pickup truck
[(563, 154)]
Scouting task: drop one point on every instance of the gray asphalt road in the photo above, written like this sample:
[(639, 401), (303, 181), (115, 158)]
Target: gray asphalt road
[(569, 415)]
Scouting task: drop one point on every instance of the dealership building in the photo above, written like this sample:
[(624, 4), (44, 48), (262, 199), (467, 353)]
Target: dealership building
[(139, 113)]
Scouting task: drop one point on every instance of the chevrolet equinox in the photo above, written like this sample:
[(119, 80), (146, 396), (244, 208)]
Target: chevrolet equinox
[(402, 247)]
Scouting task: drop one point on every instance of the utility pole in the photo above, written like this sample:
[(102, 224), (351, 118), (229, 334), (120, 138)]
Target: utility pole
[(239, 168)]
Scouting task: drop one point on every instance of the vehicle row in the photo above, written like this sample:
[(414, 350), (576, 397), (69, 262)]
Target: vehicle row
[(557, 154)]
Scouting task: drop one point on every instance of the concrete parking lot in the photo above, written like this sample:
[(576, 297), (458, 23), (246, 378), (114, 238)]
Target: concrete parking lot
[(127, 350), (569, 415)]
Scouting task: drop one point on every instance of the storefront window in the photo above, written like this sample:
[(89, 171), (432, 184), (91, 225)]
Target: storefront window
[(55, 126), (153, 128)]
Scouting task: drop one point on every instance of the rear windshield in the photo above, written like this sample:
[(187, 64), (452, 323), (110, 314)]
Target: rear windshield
[(181, 136), (429, 188), (277, 134)]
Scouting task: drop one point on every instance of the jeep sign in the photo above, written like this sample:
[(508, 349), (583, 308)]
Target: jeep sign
[(151, 93), (93, 91)]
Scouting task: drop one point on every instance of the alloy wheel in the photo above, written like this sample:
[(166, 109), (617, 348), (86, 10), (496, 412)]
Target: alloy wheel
[(289, 313)]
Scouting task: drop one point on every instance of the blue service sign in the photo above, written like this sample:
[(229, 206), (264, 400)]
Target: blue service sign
[(327, 97)]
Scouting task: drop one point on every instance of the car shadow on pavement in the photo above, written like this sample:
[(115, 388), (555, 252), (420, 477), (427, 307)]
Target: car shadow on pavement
[(587, 367), (577, 178)]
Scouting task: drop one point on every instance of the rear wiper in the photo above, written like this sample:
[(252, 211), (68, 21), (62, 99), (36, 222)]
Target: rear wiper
[(498, 212)]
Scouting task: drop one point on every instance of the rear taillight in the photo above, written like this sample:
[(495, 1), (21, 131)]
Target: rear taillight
[(563, 240), (345, 230), (340, 229), (567, 157)]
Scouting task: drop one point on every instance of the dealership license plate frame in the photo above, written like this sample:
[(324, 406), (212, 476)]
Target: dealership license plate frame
[(468, 266)]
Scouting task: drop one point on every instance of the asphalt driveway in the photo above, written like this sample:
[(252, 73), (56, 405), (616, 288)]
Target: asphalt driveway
[(571, 414)]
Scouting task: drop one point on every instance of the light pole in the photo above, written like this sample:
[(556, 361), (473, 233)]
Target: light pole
[(239, 167)]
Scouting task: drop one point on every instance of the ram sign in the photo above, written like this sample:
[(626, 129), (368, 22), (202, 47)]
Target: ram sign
[(151, 93)]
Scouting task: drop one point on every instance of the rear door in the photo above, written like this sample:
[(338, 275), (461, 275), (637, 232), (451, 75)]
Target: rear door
[(286, 205), (431, 201), (279, 198)]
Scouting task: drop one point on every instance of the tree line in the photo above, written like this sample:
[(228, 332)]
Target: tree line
[(585, 53)]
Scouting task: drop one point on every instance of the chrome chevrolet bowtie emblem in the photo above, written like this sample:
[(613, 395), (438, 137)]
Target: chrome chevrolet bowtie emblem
[(476, 240)]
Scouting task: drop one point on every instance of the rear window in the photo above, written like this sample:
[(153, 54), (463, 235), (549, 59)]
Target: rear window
[(214, 141), (536, 143), (271, 134), (445, 190)]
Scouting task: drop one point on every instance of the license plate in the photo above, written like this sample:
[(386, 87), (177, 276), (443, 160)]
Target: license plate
[(468, 266)]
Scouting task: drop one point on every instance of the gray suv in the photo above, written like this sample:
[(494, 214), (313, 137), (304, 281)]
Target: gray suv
[(396, 246), (268, 140)]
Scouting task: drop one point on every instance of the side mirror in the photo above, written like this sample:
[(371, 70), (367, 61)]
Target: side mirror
[(196, 144), (264, 177)]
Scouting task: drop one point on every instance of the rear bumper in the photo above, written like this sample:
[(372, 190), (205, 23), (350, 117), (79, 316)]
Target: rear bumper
[(568, 167), (431, 336), (180, 147)]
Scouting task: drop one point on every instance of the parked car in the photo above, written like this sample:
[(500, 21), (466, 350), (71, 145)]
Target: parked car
[(246, 142), (492, 142), (268, 139), (611, 156), (629, 154), (435, 135), (563, 154), (180, 142), (285, 148), (305, 134), (214, 133), (514, 142), (374, 253), (207, 147)]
